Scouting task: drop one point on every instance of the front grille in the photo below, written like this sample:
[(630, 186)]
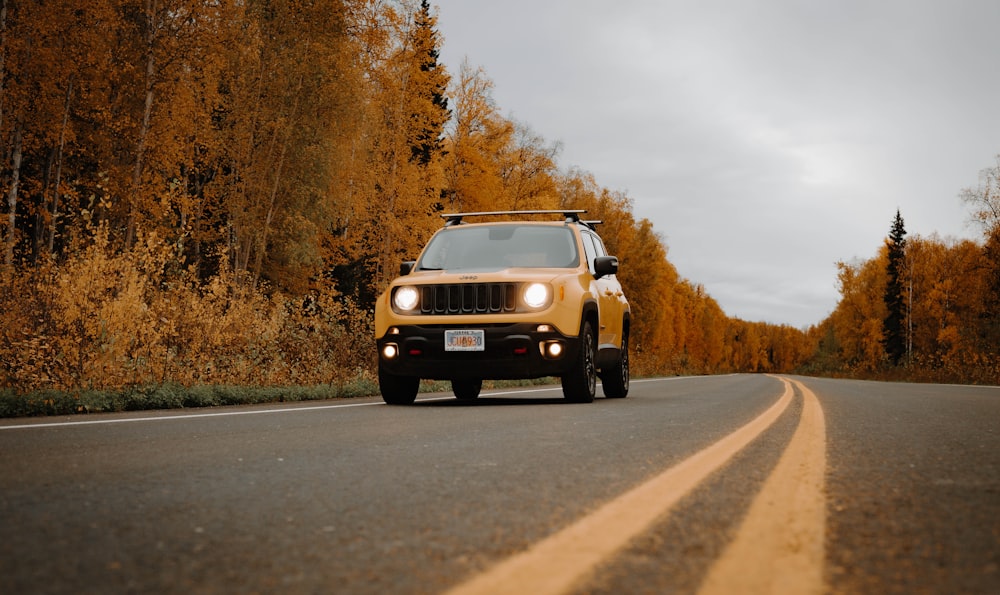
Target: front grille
[(468, 298)]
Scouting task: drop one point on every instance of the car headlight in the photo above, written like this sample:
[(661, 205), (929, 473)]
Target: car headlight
[(536, 295), (406, 298)]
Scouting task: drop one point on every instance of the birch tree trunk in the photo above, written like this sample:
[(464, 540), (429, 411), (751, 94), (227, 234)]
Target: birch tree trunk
[(15, 177), (54, 215), (9, 240), (3, 58), (144, 128)]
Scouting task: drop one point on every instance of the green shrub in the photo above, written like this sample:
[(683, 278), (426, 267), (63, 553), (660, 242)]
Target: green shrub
[(175, 396)]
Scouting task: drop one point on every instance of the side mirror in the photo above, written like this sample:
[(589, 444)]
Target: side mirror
[(605, 265), (406, 267)]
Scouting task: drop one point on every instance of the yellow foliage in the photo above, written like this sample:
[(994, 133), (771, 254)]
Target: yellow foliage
[(947, 298), (102, 320), (201, 180)]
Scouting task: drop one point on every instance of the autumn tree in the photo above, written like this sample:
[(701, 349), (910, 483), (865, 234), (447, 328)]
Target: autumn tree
[(747, 347), (14, 55), (984, 200), (528, 170), (989, 325), (478, 138), (122, 95), (287, 102), (860, 314), (394, 186), (947, 296), (71, 42), (28, 34), (162, 35), (57, 81), (647, 277)]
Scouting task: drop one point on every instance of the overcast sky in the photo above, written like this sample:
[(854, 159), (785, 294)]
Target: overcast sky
[(765, 140)]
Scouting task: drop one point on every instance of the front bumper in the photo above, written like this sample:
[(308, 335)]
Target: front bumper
[(511, 351)]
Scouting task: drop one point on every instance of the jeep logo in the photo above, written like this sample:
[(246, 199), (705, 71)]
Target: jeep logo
[(468, 277)]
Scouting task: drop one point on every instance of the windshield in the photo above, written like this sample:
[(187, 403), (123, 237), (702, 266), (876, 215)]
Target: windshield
[(486, 247)]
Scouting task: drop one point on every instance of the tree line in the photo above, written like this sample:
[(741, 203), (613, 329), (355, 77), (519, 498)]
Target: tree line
[(923, 308), (215, 191)]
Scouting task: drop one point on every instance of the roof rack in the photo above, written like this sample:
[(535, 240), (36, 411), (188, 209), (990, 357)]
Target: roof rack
[(571, 215)]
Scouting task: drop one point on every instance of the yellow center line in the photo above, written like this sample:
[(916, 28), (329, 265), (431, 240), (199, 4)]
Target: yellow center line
[(557, 563), (779, 547)]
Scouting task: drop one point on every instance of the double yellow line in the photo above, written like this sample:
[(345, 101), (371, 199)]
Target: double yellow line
[(779, 548)]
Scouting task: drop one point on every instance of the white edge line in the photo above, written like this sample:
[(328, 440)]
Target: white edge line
[(180, 416), (291, 409)]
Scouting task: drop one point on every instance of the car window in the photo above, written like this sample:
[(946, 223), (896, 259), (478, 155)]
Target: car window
[(599, 244), (590, 249), (485, 247)]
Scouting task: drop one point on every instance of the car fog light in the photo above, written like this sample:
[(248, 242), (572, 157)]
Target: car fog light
[(554, 349), (390, 351)]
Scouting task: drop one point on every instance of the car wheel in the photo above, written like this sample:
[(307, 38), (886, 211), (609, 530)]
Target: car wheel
[(615, 380), (397, 390), (466, 389), (580, 383)]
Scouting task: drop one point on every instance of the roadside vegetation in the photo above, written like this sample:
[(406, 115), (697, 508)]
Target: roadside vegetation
[(202, 200)]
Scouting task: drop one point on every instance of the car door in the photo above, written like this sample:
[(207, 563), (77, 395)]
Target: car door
[(609, 295)]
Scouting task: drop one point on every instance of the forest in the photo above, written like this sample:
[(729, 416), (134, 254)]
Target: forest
[(923, 308), (213, 192)]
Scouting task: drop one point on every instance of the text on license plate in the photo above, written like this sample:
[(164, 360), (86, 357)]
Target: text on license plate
[(464, 340)]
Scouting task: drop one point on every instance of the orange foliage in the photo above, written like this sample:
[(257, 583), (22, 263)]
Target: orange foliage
[(215, 192), (950, 324), (106, 320), (677, 327)]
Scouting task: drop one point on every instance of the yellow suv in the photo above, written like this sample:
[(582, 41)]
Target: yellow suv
[(515, 298)]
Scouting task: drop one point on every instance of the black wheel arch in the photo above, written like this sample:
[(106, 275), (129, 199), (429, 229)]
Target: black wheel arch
[(591, 314)]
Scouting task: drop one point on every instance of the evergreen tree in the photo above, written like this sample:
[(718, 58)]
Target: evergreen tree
[(893, 331), (989, 323), (394, 186), (429, 118)]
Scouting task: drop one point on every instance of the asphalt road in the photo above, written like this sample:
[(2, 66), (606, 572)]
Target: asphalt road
[(358, 497)]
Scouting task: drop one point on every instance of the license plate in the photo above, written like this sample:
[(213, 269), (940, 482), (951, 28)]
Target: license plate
[(465, 340)]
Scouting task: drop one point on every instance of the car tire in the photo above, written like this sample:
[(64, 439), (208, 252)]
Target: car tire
[(580, 383), (616, 380), (397, 390), (467, 389)]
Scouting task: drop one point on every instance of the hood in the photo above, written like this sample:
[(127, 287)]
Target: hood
[(483, 275)]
